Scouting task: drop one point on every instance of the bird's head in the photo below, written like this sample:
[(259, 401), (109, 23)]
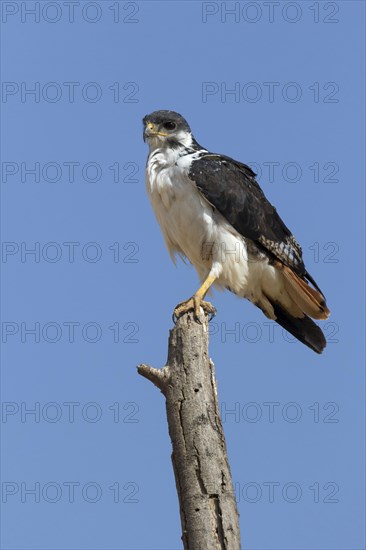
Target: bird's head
[(167, 129)]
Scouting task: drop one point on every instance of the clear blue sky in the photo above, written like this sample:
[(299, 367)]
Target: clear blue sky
[(102, 303)]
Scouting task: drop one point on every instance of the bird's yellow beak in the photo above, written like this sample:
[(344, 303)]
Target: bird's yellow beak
[(151, 130)]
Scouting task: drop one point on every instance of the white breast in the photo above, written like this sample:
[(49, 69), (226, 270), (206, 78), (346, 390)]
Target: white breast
[(185, 217), (190, 225)]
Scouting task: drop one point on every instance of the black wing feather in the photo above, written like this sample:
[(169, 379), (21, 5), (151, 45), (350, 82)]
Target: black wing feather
[(232, 189)]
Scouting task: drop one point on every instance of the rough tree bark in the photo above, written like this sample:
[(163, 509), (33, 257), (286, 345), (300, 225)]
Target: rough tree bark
[(209, 515)]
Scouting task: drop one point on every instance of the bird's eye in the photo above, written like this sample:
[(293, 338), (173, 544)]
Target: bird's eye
[(169, 125)]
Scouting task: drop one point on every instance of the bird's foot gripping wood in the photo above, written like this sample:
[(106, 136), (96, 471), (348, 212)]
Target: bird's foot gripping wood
[(194, 304)]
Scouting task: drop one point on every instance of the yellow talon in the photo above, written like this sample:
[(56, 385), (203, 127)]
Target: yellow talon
[(197, 301), (194, 304)]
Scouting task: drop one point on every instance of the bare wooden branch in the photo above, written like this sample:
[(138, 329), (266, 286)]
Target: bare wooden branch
[(159, 377), (209, 515)]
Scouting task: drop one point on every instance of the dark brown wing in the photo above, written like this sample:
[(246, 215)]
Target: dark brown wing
[(232, 189)]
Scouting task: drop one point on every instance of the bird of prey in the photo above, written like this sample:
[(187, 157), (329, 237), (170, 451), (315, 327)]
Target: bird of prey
[(212, 211)]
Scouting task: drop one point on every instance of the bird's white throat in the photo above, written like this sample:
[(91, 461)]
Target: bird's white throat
[(183, 140)]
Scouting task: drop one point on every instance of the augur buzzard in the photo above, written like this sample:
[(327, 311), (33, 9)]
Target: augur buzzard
[(212, 211)]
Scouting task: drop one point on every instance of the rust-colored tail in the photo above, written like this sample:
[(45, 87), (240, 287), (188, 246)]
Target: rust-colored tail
[(310, 300)]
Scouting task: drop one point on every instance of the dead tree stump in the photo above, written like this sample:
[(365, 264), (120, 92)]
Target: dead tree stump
[(208, 511)]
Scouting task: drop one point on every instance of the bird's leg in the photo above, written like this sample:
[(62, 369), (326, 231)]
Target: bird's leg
[(197, 301)]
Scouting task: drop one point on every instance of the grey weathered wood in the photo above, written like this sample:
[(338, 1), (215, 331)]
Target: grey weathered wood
[(209, 515)]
